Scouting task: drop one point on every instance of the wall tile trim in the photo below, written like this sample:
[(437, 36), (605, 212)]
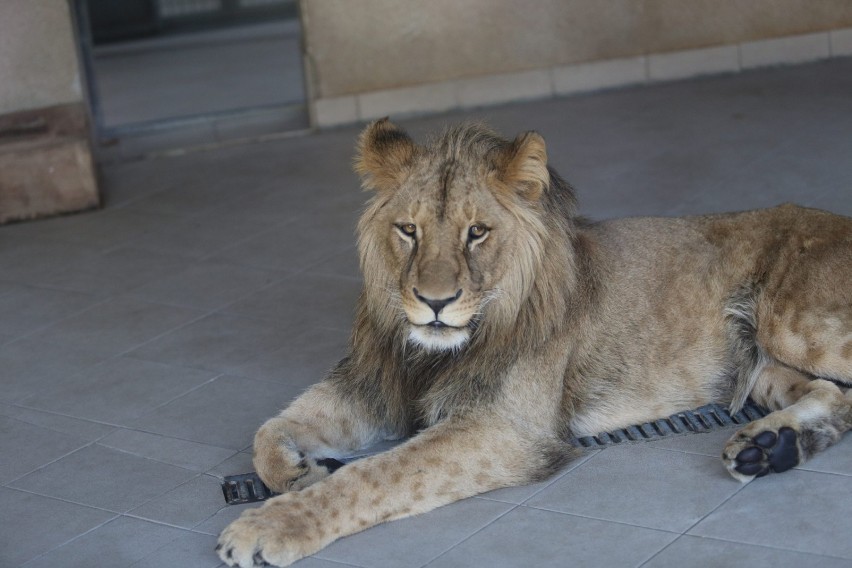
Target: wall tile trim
[(585, 77)]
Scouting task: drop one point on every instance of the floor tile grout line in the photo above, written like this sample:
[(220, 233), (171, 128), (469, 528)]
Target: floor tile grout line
[(29, 334), (206, 444), (476, 532), (131, 428), (215, 375), (767, 546), (274, 227), (663, 549), (155, 460), (44, 465), (693, 525), (293, 275), (578, 515), (550, 481), (153, 409), (114, 511), (64, 500), (69, 541), (113, 356)]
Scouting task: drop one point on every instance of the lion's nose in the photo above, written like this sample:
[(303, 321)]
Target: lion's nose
[(437, 305)]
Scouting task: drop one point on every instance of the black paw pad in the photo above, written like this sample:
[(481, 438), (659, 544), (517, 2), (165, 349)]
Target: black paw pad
[(770, 452), (785, 454), (756, 469), (259, 561), (765, 439), (750, 455)]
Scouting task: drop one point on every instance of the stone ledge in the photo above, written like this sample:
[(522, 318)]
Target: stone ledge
[(46, 163)]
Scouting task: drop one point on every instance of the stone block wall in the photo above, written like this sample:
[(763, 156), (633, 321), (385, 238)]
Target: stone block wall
[(45, 154)]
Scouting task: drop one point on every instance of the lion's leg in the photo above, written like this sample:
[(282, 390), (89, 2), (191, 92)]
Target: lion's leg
[(445, 463), (810, 415), (298, 447)]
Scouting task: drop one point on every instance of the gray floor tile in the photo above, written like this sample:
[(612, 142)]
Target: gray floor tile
[(115, 272), (312, 562), (188, 550), (116, 325), (641, 486), (196, 186), (119, 543), (5, 338), (225, 413), (304, 359), (186, 505), (32, 261), (343, 264), (119, 390), (40, 524), (236, 464), (217, 342), (304, 300), (522, 493), (25, 447), (779, 510), (416, 540), (104, 478), (295, 245), (85, 429), (696, 552), (836, 459), (531, 537), (209, 233), (8, 288), (28, 367), (98, 230), (182, 453), (225, 516), (28, 309), (207, 285)]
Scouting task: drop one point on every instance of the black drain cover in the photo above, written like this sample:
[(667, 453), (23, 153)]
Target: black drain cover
[(705, 419), (245, 488)]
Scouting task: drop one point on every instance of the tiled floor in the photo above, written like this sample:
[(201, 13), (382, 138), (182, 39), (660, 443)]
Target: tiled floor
[(142, 345)]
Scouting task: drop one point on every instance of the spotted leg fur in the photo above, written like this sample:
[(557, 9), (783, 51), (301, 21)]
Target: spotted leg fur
[(447, 462), (815, 414)]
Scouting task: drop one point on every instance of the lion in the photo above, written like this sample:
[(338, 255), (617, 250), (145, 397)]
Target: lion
[(495, 323)]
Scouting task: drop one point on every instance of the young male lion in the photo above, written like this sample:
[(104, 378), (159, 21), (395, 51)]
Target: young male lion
[(495, 323)]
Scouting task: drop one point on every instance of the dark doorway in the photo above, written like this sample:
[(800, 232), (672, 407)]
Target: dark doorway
[(172, 73)]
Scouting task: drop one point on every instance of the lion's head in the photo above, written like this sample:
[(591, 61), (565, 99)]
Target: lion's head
[(456, 233)]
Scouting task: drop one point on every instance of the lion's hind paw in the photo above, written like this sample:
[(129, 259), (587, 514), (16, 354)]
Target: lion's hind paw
[(748, 456)]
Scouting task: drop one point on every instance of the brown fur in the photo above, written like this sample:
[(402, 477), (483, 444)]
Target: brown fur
[(497, 323)]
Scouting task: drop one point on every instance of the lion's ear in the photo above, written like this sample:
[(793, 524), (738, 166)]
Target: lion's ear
[(385, 153), (523, 165)]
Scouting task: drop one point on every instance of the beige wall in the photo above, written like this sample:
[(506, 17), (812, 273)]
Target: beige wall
[(38, 58), (359, 46)]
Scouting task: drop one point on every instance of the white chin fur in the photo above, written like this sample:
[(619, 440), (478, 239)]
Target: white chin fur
[(438, 339)]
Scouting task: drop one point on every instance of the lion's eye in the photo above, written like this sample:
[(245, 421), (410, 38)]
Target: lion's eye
[(408, 229), (476, 232)]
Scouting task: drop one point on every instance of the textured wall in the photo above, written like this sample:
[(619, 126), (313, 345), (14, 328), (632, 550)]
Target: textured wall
[(367, 45), (38, 58)]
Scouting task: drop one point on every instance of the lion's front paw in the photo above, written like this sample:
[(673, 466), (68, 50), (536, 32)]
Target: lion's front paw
[(270, 536), (754, 452)]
